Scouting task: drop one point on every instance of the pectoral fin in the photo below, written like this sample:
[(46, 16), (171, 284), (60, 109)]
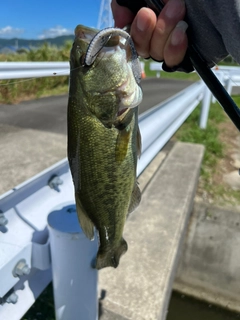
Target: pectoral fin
[(85, 222), (122, 145), (135, 199)]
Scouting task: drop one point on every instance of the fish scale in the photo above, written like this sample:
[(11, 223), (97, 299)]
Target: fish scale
[(103, 144)]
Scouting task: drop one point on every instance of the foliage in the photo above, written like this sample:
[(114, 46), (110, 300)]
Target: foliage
[(215, 151), (23, 43), (190, 132), (12, 91), (168, 75)]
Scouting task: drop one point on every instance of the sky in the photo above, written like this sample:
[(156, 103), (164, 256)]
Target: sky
[(29, 19)]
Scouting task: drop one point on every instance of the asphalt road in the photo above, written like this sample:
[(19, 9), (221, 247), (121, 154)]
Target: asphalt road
[(33, 133)]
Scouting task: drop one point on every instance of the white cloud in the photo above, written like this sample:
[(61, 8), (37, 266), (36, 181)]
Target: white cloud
[(55, 32), (9, 31)]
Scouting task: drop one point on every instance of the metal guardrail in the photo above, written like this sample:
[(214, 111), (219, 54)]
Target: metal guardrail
[(24, 242), (228, 75), (20, 70), (158, 124), (24, 238)]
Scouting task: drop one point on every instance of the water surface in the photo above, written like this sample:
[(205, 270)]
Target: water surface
[(185, 308)]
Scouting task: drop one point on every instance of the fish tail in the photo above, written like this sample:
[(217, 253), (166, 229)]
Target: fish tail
[(111, 257)]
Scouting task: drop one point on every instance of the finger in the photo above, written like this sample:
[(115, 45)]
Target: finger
[(172, 13), (121, 15), (176, 46), (142, 29)]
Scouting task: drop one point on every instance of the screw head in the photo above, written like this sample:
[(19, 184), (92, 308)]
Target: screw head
[(3, 219), (55, 182), (12, 298), (21, 269)]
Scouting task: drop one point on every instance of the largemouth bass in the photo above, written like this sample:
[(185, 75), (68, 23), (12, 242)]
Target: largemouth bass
[(103, 135)]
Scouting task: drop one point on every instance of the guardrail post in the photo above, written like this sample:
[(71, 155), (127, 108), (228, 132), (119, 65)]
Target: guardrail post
[(205, 108), (229, 85), (220, 75), (74, 280)]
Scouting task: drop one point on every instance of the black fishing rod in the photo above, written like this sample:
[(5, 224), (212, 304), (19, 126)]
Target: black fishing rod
[(198, 63)]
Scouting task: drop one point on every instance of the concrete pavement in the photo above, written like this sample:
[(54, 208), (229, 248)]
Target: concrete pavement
[(26, 152), (141, 286), (33, 137), (209, 267), (33, 133)]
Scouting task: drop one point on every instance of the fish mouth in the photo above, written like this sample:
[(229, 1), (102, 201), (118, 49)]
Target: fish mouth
[(104, 41), (122, 111), (107, 42), (96, 42), (129, 98), (85, 33)]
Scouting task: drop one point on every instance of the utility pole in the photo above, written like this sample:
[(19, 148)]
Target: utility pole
[(105, 18)]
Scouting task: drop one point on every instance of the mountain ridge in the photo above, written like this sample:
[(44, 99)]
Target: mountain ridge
[(18, 42)]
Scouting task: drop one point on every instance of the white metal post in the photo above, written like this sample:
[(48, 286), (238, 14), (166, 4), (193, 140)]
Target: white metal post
[(74, 279), (205, 108), (220, 75), (105, 18), (229, 85)]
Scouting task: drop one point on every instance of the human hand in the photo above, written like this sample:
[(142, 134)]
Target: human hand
[(163, 37)]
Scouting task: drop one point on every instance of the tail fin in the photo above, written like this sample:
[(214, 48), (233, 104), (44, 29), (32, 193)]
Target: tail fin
[(111, 256)]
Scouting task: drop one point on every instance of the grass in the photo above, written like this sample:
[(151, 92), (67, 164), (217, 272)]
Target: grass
[(214, 149), (211, 186), (16, 90), (169, 75)]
